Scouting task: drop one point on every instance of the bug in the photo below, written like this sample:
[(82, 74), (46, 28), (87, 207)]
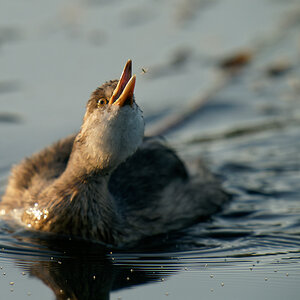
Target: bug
[(144, 70)]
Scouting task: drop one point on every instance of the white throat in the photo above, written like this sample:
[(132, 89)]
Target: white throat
[(112, 135)]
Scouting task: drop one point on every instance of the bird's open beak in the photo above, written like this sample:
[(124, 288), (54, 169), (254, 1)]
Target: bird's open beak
[(123, 93)]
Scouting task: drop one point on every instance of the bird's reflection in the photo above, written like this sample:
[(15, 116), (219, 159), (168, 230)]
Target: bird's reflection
[(79, 270)]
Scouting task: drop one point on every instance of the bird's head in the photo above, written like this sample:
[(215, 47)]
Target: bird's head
[(113, 125)]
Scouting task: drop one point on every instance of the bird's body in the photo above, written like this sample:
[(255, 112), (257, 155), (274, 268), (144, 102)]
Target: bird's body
[(108, 182)]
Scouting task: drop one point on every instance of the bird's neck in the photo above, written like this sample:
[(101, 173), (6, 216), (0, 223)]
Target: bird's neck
[(79, 203)]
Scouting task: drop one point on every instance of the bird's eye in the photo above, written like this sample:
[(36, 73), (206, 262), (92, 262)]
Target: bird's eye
[(101, 102)]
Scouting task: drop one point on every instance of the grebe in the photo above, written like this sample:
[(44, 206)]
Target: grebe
[(108, 182)]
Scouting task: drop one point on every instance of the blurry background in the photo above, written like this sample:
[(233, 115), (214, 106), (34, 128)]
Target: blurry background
[(54, 54), (219, 78)]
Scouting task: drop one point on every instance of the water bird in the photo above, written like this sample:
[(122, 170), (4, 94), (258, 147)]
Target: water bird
[(109, 182)]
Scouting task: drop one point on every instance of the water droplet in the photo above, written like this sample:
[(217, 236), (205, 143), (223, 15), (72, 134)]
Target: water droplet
[(211, 290), (185, 268), (94, 277), (162, 279), (287, 274), (266, 279), (11, 283), (251, 268), (205, 266), (29, 294), (127, 278), (222, 283), (167, 294), (59, 262), (211, 276), (61, 291), (275, 271), (23, 273), (4, 273), (131, 270), (11, 290)]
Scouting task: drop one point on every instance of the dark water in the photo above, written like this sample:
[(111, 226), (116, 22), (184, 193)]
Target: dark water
[(221, 79)]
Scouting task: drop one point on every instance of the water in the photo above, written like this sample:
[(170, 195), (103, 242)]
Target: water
[(244, 124)]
